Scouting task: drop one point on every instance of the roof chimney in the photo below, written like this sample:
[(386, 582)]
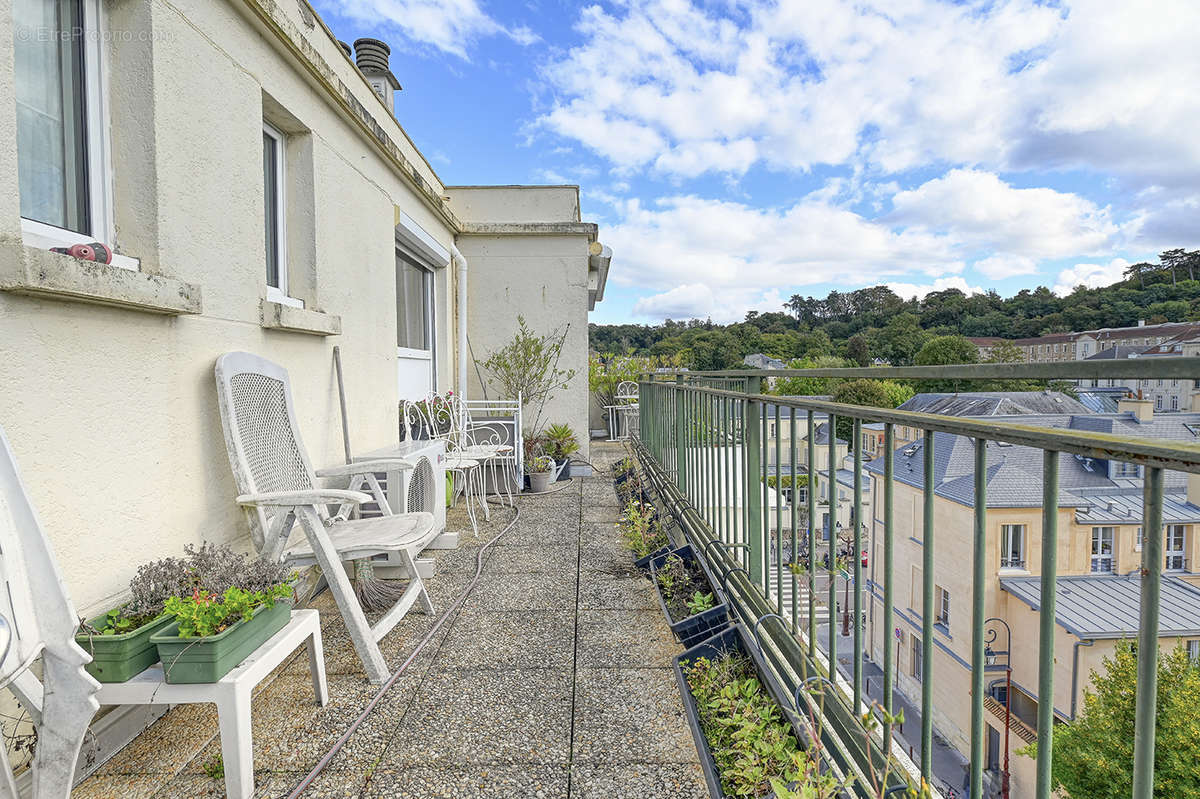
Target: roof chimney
[(346, 49), (1141, 322), (1142, 409), (371, 55)]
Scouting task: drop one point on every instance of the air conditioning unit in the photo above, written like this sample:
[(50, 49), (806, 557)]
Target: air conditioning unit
[(413, 490)]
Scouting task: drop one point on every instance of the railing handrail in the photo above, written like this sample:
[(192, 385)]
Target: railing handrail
[(1174, 455), (1177, 367)]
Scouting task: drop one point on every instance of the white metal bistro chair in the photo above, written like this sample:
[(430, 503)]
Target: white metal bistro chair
[(623, 416), (39, 619), (441, 417), (278, 487)]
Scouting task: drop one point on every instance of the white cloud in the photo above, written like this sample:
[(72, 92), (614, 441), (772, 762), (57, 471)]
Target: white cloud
[(1091, 275), (452, 26), (979, 210), (910, 290), (999, 267), (694, 300), (1013, 84)]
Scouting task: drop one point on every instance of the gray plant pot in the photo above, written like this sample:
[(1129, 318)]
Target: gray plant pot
[(539, 483)]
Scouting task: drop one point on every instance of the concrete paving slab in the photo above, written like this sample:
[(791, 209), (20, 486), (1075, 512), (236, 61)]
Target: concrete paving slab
[(637, 780), (483, 781), (625, 639), (510, 640), (630, 716)]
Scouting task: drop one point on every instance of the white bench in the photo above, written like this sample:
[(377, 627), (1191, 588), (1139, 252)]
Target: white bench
[(231, 694)]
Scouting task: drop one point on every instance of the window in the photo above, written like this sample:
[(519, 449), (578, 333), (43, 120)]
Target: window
[(275, 215), (1012, 546), (1102, 549), (1124, 469), (914, 657), (1158, 401), (414, 305), (62, 157), (1174, 402), (1176, 535), (1193, 651), (942, 597), (1139, 539)]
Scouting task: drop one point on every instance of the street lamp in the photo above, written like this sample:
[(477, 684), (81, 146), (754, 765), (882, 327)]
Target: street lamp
[(990, 657)]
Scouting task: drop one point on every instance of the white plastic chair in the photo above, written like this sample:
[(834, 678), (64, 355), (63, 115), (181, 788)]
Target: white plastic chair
[(39, 619), (442, 418), (278, 487)]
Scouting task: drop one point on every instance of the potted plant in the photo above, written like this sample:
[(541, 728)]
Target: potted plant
[(694, 607), (560, 445), (642, 533), (119, 640), (540, 469), (213, 633)]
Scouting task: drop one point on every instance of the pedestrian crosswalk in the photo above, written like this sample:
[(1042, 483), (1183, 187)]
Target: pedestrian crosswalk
[(821, 611)]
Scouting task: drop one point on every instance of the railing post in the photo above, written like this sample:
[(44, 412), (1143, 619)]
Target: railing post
[(889, 554), (927, 610), (832, 498), (811, 478), (978, 577), (752, 493), (1047, 624), (680, 449), (1147, 653), (858, 569)]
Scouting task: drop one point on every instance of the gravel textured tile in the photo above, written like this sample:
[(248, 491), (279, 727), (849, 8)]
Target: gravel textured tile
[(468, 716), (533, 559), (184, 730), (606, 555), (510, 640), (604, 591), (126, 786), (342, 658), (625, 639), (599, 493), (601, 513), (291, 732), (546, 529), (637, 781), (630, 716), (327, 785), (496, 592), (482, 781)]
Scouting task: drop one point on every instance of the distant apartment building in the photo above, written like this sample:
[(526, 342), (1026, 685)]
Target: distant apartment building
[(1087, 343), (1099, 555)]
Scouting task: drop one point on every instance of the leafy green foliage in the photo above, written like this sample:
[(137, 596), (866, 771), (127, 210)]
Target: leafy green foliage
[(640, 529), (560, 441), (752, 746), (895, 329), (872, 393), (1093, 755), (119, 621), (203, 614), (700, 602), (527, 366)]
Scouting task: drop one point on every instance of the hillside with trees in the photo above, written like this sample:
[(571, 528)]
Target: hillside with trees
[(861, 326)]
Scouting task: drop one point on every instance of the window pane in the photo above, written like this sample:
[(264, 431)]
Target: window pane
[(411, 292), (271, 217), (48, 69)]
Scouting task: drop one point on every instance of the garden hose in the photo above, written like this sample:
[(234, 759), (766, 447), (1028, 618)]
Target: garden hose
[(327, 758)]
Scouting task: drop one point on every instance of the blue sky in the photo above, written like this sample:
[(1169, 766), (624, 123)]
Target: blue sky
[(736, 152)]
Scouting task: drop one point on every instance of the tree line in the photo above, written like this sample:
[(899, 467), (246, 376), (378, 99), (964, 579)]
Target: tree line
[(875, 324)]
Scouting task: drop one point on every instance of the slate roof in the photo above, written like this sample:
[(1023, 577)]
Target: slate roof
[(1124, 506), (1118, 352), (1014, 475), (994, 403), (1102, 400), (1108, 606)]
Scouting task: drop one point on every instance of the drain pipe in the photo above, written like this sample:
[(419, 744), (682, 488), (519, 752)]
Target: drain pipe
[(460, 289), (1075, 674)]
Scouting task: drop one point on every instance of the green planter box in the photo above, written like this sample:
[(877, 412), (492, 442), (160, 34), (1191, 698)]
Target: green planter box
[(116, 658), (208, 659)]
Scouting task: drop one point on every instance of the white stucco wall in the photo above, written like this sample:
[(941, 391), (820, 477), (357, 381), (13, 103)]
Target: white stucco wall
[(543, 279)]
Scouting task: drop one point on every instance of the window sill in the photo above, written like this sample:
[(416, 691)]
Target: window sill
[(30, 270), (1013, 571), (277, 316), (41, 236)]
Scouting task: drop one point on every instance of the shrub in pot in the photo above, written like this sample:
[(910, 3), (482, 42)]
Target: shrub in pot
[(561, 444), (642, 533), (119, 640), (694, 607), (541, 473)]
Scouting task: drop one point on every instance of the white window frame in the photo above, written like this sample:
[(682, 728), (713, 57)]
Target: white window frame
[(1111, 557), (280, 293), (942, 616), (1193, 651), (1138, 544), (1175, 559), (102, 228), (1006, 531)]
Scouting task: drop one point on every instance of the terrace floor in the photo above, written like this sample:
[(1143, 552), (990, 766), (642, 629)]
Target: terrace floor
[(552, 680)]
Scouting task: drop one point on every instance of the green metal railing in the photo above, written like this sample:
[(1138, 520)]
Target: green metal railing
[(706, 441)]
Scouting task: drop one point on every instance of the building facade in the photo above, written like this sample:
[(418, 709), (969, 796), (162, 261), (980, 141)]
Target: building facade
[(259, 194), (1099, 557)]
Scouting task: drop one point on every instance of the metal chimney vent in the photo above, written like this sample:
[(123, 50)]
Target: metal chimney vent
[(371, 57)]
